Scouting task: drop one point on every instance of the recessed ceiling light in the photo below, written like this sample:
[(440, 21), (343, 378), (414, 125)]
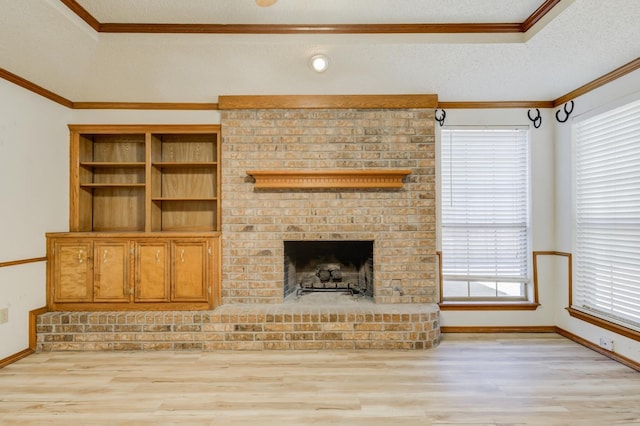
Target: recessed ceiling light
[(319, 63), (265, 3)]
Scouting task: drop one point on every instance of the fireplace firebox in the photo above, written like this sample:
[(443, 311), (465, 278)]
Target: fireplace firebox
[(328, 266)]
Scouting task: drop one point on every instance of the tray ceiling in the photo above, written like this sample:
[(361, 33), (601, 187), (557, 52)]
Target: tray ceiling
[(48, 43)]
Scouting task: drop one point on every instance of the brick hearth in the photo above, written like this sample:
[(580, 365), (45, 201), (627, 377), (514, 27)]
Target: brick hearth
[(245, 327)]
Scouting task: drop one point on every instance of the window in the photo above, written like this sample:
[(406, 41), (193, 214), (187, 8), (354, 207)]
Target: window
[(607, 215), (485, 214)]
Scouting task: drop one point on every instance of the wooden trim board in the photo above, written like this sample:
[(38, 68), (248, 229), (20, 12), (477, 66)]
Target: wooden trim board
[(33, 315), (23, 261), (327, 102)]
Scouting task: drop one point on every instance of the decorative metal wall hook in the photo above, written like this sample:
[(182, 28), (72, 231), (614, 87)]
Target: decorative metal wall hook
[(441, 119), (537, 120), (567, 112)]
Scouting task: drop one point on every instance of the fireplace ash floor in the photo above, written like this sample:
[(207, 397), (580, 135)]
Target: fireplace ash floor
[(329, 298)]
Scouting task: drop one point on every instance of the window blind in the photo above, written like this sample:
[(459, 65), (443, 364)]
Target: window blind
[(607, 215), (485, 208)]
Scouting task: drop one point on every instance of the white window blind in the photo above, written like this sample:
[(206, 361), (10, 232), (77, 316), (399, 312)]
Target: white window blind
[(485, 213), (607, 215)]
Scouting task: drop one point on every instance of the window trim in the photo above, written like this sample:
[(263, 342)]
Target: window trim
[(488, 306)]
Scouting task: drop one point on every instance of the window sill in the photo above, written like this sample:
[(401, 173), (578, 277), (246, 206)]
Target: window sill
[(616, 328), (488, 306)]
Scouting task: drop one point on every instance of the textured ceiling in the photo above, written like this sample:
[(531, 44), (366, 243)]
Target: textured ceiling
[(47, 44), (310, 11)]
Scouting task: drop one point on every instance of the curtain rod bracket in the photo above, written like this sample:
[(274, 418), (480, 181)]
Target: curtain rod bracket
[(537, 120), (567, 112), (441, 119)]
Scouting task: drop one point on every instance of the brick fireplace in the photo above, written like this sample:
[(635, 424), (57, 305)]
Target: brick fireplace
[(355, 136)]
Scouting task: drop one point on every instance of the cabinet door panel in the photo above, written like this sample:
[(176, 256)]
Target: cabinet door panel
[(189, 281), (111, 271), (151, 272), (72, 265)]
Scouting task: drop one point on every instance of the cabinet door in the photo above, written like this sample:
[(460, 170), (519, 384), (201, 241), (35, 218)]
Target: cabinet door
[(111, 271), (151, 271), (189, 281), (73, 271)]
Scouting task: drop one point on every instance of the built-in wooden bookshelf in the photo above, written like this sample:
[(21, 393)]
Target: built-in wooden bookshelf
[(144, 220), (144, 178)]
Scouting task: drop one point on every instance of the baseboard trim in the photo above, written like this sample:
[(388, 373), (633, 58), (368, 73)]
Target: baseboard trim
[(33, 322), (499, 329), (590, 345), (33, 316), (15, 357)]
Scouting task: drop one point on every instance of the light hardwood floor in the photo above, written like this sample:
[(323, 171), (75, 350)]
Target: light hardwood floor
[(481, 379)]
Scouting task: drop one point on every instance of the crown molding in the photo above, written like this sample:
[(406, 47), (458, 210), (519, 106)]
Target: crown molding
[(599, 82), (39, 90), (538, 14), (262, 29), (420, 28), (146, 105), (495, 104)]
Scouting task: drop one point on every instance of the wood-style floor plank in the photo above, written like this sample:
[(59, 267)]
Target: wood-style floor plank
[(497, 379)]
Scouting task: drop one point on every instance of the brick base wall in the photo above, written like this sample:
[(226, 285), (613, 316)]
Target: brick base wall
[(244, 327)]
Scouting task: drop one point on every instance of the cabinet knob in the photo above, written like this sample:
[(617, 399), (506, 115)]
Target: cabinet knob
[(158, 256), (80, 256), (182, 255), (104, 256)]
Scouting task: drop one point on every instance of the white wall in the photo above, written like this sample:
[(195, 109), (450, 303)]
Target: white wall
[(106, 116), (542, 216), (606, 95), (34, 157)]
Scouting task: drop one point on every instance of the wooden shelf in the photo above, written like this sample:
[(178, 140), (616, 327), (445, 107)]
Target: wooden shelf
[(166, 165), (183, 199), (329, 179), (110, 164), (112, 185)]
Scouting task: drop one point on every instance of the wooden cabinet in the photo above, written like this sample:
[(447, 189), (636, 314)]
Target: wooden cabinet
[(151, 271), (189, 274), (71, 271), (100, 271), (111, 271), (144, 220)]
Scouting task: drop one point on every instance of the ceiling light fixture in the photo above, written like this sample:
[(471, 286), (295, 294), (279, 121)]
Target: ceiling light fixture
[(319, 63), (265, 3)]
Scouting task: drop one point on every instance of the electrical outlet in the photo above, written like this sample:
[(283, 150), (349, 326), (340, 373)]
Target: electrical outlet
[(4, 315), (606, 343)]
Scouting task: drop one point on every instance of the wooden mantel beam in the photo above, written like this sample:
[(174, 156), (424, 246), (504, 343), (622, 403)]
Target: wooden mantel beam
[(328, 102)]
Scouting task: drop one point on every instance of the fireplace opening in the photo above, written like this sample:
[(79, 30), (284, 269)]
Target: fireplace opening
[(328, 267)]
